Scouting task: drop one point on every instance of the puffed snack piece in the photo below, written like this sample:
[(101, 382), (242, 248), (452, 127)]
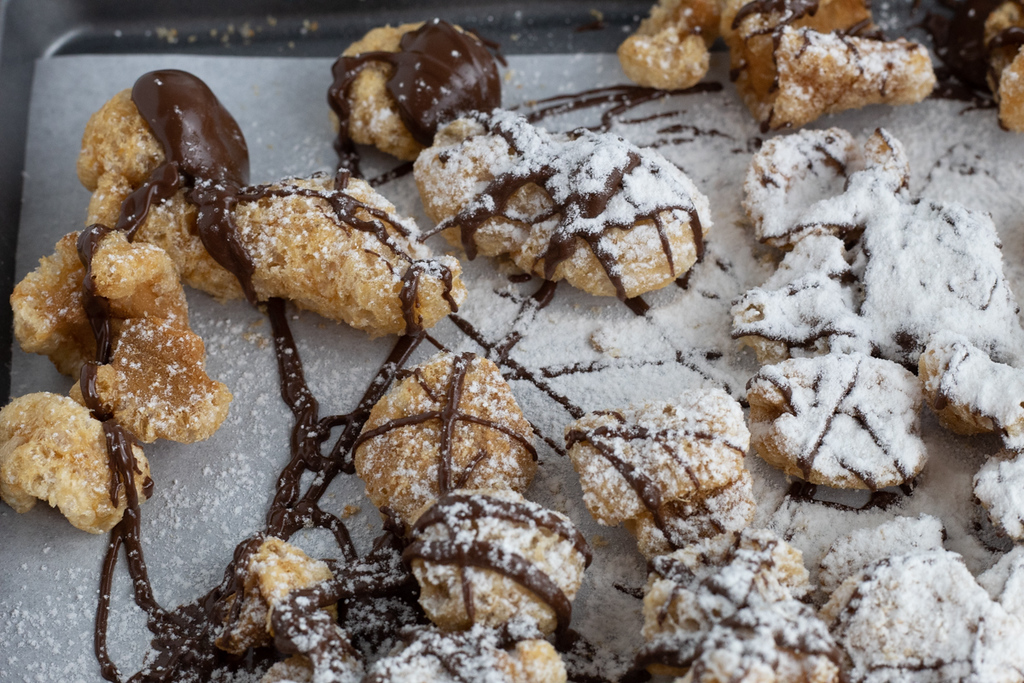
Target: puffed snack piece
[(970, 392), (155, 384), (795, 61), (274, 570), (999, 487), (672, 473), (343, 252), (728, 609), (610, 218), (669, 50), (484, 557), (845, 421), (873, 269), (922, 617), (1006, 66), (53, 449), (479, 654), (334, 246), (395, 87), (451, 422)]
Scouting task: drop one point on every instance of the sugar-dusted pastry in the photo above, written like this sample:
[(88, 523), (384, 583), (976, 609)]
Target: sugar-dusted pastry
[(669, 50), (971, 393), (335, 246), (396, 86), (53, 449), (847, 421), (999, 487), (673, 473), (155, 383), (449, 423), (1004, 581), (274, 570), (478, 654), (849, 554), (1003, 36), (871, 269), (794, 60), (921, 617), (610, 218), (483, 557), (728, 609)]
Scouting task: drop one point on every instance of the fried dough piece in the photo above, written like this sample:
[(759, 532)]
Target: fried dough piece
[(728, 609), (1003, 35), (346, 255), (484, 557), (593, 209), (795, 61), (274, 570), (669, 50), (54, 450), (451, 422), (673, 473), (156, 383)]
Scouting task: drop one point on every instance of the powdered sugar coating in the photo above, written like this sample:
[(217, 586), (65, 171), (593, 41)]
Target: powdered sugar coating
[(848, 421), (727, 608), (971, 392), (686, 456), (920, 267), (478, 655), (923, 617), (1004, 581), (851, 553), (999, 485), (788, 175)]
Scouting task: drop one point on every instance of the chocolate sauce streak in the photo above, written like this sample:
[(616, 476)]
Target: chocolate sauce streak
[(205, 148), (960, 41), (451, 509), (438, 73)]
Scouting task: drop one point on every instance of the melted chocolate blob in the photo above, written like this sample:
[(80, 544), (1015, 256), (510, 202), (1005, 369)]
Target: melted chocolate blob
[(960, 40), (438, 73)]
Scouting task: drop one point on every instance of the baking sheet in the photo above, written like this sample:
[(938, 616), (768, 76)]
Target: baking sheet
[(209, 496)]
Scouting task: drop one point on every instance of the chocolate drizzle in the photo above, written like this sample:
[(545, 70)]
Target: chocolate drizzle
[(452, 509), (438, 73), (565, 173)]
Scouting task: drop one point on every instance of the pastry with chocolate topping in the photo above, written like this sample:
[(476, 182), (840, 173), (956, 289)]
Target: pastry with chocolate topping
[(970, 392), (999, 487), (476, 655), (53, 449), (846, 421), (795, 60), (446, 424), (669, 50), (920, 617), (672, 473), (274, 570), (154, 383), (397, 86), (871, 269), (483, 557), (334, 246), (610, 218), (728, 609)]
